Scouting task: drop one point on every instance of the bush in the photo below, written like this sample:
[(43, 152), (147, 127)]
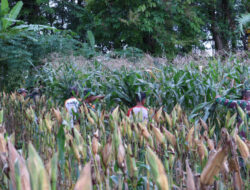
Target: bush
[(21, 52), (132, 53)]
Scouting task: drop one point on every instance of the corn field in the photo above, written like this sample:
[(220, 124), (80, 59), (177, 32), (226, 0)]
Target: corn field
[(191, 83), (107, 150)]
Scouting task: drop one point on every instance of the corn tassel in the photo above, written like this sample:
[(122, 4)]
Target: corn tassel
[(106, 153), (13, 157), (203, 124), (190, 137), (190, 178), (244, 151), (3, 144), (158, 135), (213, 166), (170, 137), (121, 155), (158, 115), (58, 116), (85, 179), (157, 169), (95, 145)]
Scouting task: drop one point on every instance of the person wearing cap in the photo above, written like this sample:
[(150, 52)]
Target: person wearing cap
[(139, 107), (23, 92)]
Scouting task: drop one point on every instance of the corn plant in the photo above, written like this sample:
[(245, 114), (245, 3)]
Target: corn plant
[(168, 151)]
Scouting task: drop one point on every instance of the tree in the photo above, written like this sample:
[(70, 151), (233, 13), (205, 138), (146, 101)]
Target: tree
[(156, 26), (221, 17), (21, 45), (38, 11), (159, 27)]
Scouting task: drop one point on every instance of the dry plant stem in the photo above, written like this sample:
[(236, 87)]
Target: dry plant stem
[(190, 178), (107, 180), (234, 166), (214, 164), (148, 176)]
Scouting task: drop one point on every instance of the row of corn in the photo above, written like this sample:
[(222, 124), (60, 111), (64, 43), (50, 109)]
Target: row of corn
[(108, 150)]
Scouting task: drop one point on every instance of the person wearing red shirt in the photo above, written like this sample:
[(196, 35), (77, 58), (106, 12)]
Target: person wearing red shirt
[(139, 107)]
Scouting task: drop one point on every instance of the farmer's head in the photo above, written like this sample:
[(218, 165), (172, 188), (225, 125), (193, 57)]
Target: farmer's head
[(141, 98), (246, 94), (23, 92), (74, 91)]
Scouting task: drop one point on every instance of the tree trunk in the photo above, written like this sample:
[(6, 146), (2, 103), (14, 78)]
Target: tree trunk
[(80, 2), (214, 30), (217, 40), (33, 11), (225, 11)]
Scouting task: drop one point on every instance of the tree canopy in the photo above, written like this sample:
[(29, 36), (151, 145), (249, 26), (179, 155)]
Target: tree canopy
[(156, 26)]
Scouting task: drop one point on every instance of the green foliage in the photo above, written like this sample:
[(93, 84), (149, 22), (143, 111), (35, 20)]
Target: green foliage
[(88, 48), (132, 53), (57, 82), (19, 53), (154, 26), (8, 17), (22, 46), (165, 85), (91, 39), (244, 21)]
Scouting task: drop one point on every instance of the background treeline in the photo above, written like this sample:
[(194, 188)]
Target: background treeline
[(161, 28), (155, 26)]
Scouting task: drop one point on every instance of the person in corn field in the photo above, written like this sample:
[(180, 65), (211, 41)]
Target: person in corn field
[(244, 103), (35, 95), (139, 108), (22, 92), (72, 104)]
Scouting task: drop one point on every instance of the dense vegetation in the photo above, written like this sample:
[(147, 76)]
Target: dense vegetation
[(188, 142), (190, 85), (156, 26), (167, 152), (173, 150), (31, 30)]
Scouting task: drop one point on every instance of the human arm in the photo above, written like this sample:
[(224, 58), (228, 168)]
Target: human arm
[(93, 98), (233, 103)]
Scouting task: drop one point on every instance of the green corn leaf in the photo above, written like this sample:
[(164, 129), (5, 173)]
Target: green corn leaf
[(54, 170), (61, 148), (91, 39), (1, 117), (18, 175), (12, 15), (4, 7)]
